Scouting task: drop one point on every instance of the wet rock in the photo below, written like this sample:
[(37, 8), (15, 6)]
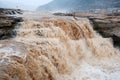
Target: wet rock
[(108, 27), (8, 20), (4, 11), (63, 14), (116, 40)]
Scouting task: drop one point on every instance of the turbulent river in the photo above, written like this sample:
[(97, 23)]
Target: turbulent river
[(58, 48)]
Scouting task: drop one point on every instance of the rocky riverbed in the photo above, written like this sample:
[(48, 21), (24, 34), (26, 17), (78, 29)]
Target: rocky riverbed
[(108, 26), (8, 19)]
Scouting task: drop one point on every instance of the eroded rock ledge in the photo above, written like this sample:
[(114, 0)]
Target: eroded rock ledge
[(108, 27), (8, 19)]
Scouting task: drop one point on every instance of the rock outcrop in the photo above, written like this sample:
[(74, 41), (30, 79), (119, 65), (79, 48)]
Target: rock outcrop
[(8, 20), (4, 11), (108, 27)]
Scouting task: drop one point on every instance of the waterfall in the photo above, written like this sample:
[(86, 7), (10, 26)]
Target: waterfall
[(56, 48)]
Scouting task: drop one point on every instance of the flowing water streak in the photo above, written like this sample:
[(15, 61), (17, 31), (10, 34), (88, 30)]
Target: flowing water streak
[(57, 49)]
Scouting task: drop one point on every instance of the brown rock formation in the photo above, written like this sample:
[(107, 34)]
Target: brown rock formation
[(108, 27), (8, 22)]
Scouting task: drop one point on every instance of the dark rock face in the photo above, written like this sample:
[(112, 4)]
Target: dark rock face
[(108, 27), (6, 33), (63, 14), (8, 22), (116, 40), (4, 11)]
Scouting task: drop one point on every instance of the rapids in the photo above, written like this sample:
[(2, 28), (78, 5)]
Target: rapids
[(57, 48)]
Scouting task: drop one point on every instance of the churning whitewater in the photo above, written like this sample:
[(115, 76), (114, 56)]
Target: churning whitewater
[(57, 48)]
